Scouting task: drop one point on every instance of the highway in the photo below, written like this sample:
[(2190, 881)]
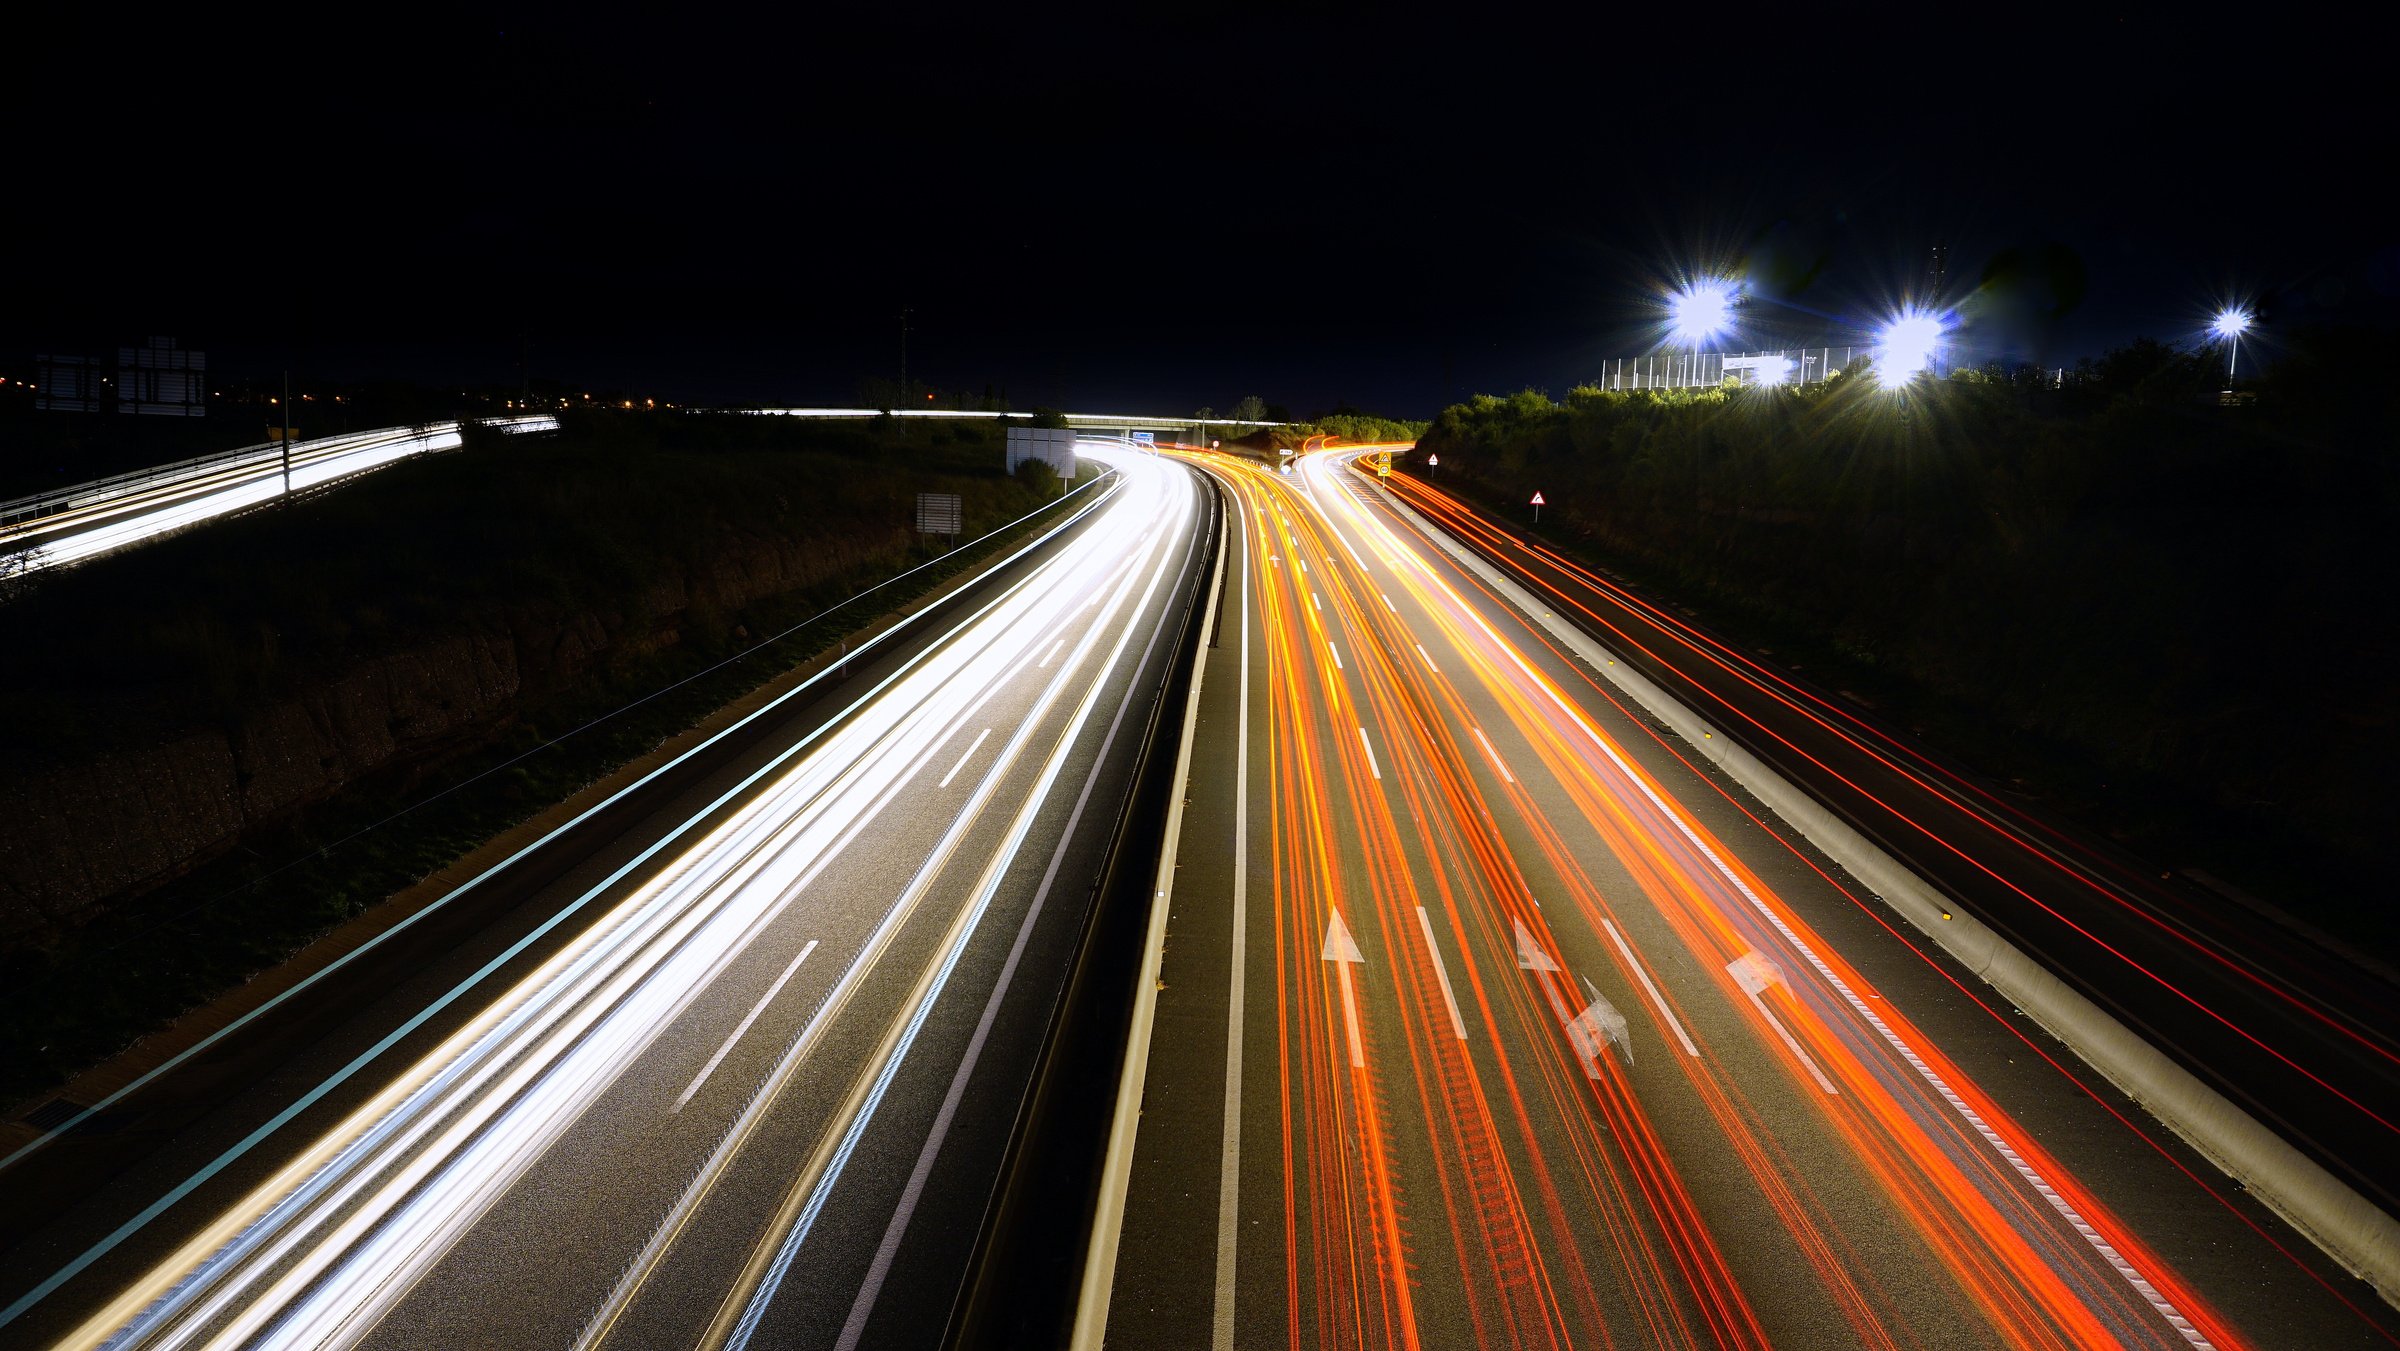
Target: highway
[(1491, 1014), (734, 1068), (78, 523)]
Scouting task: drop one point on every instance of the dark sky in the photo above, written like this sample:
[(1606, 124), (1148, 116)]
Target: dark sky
[(1155, 213)]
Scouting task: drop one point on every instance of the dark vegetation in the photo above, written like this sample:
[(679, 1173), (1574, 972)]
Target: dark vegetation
[(2170, 616), (620, 516)]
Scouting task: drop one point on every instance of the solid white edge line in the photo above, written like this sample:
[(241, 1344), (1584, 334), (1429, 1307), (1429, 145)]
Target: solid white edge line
[(1441, 972), (741, 1027)]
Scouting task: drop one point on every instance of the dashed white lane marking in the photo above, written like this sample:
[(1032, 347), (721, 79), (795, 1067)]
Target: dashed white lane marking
[(744, 1026), (1372, 767), (972, 747), (1441, 972), (1657, 1001), (1496, 761)]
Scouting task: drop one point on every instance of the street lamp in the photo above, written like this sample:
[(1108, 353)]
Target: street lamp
[(1907, 345), (2230, 324), (1699, 312)]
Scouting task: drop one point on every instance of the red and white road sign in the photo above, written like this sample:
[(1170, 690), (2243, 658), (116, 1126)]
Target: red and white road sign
[(1537, 500)]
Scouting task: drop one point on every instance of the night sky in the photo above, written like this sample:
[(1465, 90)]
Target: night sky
[(1161, 212)]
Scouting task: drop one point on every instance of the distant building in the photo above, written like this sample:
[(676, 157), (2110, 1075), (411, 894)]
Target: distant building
[(160, 379), (157, 379), (69, 384)]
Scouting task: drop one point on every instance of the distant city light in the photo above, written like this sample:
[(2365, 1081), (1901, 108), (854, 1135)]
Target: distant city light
[(1700, 311), (1907, 345)]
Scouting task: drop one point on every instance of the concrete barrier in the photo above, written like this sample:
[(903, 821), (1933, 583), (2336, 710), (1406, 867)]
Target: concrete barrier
[(2347, 1226)]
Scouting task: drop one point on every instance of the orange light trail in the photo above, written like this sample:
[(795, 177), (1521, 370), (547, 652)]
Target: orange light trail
[(1523, 1145)]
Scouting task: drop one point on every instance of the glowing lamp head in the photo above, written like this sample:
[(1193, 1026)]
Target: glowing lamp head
[(1776, 371), (1700, 311), (1906, 346), (2230, 324)]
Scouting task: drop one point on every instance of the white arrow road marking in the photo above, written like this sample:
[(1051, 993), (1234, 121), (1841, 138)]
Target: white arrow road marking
[(1342, 950), (1754, 973), (1529, 953), (1442, 974), (1600, 1025), (1657, 1001)]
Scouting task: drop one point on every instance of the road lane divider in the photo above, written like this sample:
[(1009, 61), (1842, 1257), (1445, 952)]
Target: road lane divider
[(1497, 763), (975, 746), (1657, 1000), (741, 1027), (1441, 973)]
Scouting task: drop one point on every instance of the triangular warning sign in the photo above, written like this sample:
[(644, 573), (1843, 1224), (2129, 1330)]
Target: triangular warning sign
[(1529, 953), (1537, 500), (1339, 945)]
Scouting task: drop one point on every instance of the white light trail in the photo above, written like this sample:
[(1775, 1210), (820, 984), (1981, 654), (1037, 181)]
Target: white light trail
[(328, 1244)]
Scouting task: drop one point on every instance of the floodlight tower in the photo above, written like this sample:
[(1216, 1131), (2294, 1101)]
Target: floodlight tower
[(1908, 344), (1699, 312), (2230, 324)]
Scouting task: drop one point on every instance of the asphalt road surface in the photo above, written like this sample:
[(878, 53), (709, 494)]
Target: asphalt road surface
[(740, 1073), (1491, 1015)]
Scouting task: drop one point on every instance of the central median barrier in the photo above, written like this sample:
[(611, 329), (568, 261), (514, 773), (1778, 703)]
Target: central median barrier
[(1049, 1229)]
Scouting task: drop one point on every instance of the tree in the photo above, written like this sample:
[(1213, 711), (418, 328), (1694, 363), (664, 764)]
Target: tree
[(16, 573), (1251, 409)]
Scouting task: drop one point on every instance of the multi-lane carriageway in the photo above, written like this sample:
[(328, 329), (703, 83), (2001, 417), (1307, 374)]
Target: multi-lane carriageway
[(727, 1060), (1506, 1020)]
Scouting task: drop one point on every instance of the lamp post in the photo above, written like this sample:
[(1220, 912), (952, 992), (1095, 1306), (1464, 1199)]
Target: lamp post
[(2230, 325)]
